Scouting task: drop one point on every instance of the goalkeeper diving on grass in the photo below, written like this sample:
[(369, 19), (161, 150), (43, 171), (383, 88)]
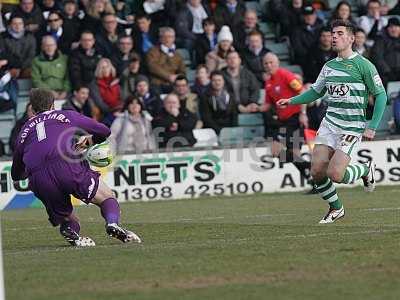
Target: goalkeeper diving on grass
[(349, 79), (48, 154)]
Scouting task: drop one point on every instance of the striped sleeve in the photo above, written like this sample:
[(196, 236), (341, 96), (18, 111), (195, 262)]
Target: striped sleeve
[(319, 85)]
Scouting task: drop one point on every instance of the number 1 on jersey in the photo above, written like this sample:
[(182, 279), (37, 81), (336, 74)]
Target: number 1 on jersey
[(40, 131)]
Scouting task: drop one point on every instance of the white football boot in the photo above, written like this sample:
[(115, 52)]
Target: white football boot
[(333, 215), (75, 239), (369, 179), (124, 235)]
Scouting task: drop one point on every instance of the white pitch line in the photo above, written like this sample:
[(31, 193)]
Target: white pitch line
[(269, 215), (382, 208), (185, 244), (337, 234)]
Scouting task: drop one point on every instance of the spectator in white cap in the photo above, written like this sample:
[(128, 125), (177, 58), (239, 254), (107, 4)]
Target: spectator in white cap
[(216, 59)]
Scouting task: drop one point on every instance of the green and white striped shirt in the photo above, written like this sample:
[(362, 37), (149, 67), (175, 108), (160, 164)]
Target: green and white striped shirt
[(348, 83)]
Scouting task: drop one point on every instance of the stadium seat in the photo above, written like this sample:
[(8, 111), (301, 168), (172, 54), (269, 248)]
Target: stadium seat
[(58, 104), (205, 137), (384, 125), (191, 75), (21, 105), (295, 69), (7, 116), (241, 135), (255, 119), (6, 125), (261, 99), (255, 5), (185, 55), (280, 49), (393, 89), (392, 16), (268, 29), (24, 86)]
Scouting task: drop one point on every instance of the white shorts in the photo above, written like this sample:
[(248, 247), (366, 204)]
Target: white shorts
[(335, 138)]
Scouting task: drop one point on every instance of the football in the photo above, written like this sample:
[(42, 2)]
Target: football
[(99, 155)]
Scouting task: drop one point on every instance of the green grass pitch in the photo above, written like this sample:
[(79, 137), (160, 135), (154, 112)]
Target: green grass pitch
[(245, 247)]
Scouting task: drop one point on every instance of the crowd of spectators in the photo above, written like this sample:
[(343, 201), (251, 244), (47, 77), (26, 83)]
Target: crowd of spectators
[(119, 61)]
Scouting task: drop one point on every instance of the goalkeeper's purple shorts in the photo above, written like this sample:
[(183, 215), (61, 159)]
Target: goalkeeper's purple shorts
[(55, 182)]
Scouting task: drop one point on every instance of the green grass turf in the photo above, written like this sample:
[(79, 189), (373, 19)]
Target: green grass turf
[(250, 247)]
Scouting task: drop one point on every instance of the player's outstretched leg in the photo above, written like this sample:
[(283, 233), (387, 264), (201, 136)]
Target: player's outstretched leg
[(70, 231), (111, 213), (365, 172)]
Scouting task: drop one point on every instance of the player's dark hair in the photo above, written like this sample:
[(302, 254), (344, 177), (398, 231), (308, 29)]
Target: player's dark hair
[(41, 99), (350, 27)]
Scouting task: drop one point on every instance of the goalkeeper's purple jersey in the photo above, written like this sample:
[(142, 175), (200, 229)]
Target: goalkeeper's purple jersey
[(48, 137)]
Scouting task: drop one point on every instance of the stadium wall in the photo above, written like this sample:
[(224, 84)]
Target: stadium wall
[(190, 174)]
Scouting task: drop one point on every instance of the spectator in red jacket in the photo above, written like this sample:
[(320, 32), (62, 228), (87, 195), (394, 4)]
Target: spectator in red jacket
[(105, 90)]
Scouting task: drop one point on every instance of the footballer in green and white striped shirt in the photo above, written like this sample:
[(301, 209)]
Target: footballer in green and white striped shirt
[(348, 81)]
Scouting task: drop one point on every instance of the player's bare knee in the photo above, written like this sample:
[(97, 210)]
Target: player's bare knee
[(335, 174), (317, 173)]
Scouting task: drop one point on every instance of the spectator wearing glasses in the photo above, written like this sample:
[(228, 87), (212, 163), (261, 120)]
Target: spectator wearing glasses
[(55, 28)]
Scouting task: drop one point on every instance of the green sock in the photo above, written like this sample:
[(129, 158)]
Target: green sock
[(354, 172), (327, 191)]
